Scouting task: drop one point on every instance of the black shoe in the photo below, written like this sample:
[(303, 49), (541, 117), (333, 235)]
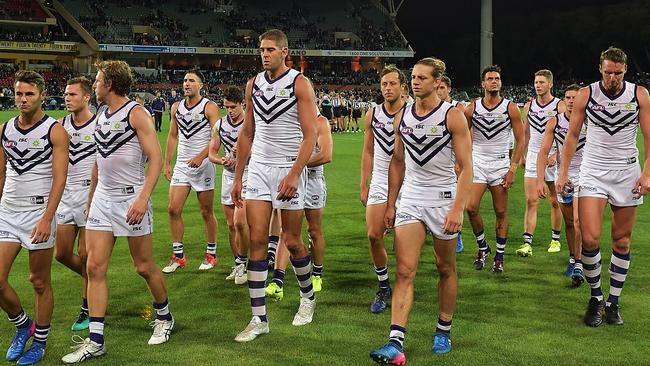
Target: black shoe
[(380, 302), (612, 315), (594, 314), (481, 256), (497, 266)]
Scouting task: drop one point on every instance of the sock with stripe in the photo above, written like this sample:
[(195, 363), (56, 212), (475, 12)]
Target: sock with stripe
[(443, 326), (302, 269), (555, 234), (592, 262), (618, 267), (528, 238), (501, 248), (84, 308), (96, 329), (278, 277), (178, 249), (396, 335), (382, 277), (257, 272), (211, 249), (42, 331), (480, 240), (21, 320), (317, 270), (273, 246), (240, 259), (162, 310)]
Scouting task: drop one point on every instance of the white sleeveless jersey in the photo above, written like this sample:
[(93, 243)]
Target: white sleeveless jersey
[(613, 122), (277, 129), (538, 116), (120, 159), (491, 129), (559, 134), (384, 141), (454, 103), (336, 102), (430, 180), (28, 152), (193, 129), (82, 151), (228, 134)]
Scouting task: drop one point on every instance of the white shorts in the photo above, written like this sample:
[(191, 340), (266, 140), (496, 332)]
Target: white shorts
[(433, 218), (200, 179), (378, 192), (316, 192), (226, 187), (17, 226), (263, 182), (490, 172), (615, 185), (72, 208), (531, 168), (107, 215)]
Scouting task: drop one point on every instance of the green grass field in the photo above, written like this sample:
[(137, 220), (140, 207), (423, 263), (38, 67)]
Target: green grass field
[(527, 316)]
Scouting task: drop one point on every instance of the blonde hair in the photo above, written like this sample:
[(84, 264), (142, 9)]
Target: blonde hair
[(438, 66), (545, 73)]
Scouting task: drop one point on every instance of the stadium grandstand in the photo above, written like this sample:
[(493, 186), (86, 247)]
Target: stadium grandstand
[(162, 41)]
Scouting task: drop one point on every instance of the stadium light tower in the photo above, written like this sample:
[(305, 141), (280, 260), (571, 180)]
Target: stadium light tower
[(486, 33), (393, 8)]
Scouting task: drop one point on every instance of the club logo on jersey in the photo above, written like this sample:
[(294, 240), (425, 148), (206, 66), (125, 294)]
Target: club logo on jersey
[(407, 130), (282, 93), (10, 144), (435, 131), (36, 144), (550, 114), (117, 126)]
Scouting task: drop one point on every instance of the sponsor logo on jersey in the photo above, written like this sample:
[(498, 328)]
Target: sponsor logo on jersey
[(380, 125), (37, 200), (10, 144), (407, 130), (597, 107), (445, 195)]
